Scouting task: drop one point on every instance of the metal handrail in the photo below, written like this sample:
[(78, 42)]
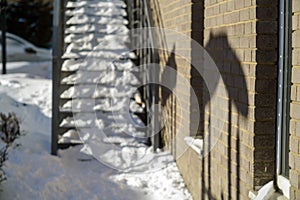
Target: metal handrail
[(3, 5), (141, 18), (58, 46)]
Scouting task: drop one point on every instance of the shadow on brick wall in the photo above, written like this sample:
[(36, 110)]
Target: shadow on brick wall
[(233, 77), (168, 98)]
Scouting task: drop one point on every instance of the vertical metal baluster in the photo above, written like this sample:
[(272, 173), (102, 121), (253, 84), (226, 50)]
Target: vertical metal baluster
[(3, 38)]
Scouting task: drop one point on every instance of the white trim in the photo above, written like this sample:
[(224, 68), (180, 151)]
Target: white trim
[(284, 184), (264, 193)]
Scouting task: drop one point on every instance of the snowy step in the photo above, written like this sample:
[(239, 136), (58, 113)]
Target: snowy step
[(72, 133), (95, 3), (123, 63), (119, 119), (70, 112), (86, 77), (68, 137), (104, 105), (96, 28), (84, 102), (78, 55), (82, 91), (106, 123), (99, 63), (119, 106), (88, 45), (84, 46), (97, 54), (103, 7), (67, 86), (125, 132), (99, 20), (71, 65), (84, 121), (134, 70), (107, 119), (110, 136), (101, 77), (82, 38), (65, 113), (109, 125), (97, 34), (65, 142), (102, 11)]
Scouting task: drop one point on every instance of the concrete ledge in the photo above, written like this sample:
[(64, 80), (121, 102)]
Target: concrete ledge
[(195, 143)]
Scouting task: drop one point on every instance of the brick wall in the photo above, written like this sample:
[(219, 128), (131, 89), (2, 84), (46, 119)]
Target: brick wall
[(265, 88), (230, 38), (295, 104), (176, 15), (241, 38)]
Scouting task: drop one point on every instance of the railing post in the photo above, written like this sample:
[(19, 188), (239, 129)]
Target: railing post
[(3, 38), (58, 37)]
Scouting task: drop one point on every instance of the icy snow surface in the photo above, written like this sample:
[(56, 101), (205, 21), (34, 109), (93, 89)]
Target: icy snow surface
[(32, 173)]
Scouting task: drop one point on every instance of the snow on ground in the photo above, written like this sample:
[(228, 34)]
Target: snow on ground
[(32, 173)]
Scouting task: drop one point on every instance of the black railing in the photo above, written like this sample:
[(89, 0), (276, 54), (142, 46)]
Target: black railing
[(143, 40), (3, 5), (58, 46)]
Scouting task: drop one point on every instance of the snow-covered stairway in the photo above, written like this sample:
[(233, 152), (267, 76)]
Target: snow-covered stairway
[(96, 78)]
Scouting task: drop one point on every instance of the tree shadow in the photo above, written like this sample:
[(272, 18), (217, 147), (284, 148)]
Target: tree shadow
[(233, 77), (167, 98)]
